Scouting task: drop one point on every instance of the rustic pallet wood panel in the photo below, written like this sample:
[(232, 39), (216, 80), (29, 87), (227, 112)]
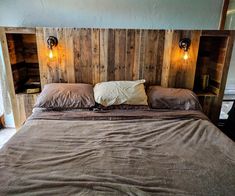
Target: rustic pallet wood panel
[(69, 55), (176, 71), (20, 30), (103, 71), (62, 67), (166, 57), (95, 44), (9, 78), (25, 103), (96, 55)]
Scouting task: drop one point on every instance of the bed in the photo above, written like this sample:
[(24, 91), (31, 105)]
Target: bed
[(118, 152)]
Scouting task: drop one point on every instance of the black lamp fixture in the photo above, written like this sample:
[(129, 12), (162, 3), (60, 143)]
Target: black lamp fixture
[(185, 44), (51, 43)]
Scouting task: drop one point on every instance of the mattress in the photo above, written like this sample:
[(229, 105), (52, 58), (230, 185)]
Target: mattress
[(118, 152)]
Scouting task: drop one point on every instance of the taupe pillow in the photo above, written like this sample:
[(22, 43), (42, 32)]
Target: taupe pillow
[(66, 96), (120, 92), (172, 98)]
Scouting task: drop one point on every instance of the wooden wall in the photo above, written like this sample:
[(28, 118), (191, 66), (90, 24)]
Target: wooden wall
[(95, 55)]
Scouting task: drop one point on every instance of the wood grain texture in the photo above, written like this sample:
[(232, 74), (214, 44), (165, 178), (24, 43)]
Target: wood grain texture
[(214, 57), (25, 103), (97, 55), (20, 30), (103, 71), (62, 67), (216, 107), (223, 14), (178, 72), (9, 78), (166, 58), (24, 59)]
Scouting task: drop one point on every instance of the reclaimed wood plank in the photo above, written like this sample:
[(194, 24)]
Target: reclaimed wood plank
[(103, 55), (136, 63), (42, 56), (95, 33), (182, 72), (159, 56), (20, 30), (9, 78), (77, 55), (130, 46), (111, 55)]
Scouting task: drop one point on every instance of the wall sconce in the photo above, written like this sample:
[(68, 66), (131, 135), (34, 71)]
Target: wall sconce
[(185, 44), (51, 43)]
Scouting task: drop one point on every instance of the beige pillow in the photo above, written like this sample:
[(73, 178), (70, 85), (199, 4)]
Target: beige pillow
[(120, 92)]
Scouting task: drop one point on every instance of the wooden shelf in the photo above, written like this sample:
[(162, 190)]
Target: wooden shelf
[(24, 59), (205, 94)]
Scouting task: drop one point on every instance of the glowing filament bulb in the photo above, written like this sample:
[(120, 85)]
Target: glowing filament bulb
[(51, 54), (186, 56)]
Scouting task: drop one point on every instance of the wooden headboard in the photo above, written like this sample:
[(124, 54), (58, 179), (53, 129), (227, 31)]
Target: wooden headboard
[(95, 55)]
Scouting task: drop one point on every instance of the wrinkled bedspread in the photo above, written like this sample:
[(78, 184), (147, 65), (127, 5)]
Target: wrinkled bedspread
[(118, 153)]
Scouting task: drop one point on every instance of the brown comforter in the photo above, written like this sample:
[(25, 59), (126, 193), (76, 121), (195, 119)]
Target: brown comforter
[(118, 153)]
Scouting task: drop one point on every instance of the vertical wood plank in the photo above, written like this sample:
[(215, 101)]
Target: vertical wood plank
[(86, 54), (153, 62), (69, 58), (193, 54), (148, 73), (143, 39), (61, 56), (52, 64), (120, 54), (159, 53), (96, 55), (9, 78), (103, 55), (77, 55), (111, 54), (136, 63), (130, 54), (41, 48), (166, 58)]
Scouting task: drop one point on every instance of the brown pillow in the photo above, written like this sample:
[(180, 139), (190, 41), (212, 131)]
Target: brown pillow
[(172, 98), (66, 96)]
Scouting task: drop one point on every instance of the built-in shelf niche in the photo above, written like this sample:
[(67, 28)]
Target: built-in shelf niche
[(24, 61), (210, 65)]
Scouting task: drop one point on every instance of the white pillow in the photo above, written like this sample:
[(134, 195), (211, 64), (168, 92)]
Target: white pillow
[(120, 92)]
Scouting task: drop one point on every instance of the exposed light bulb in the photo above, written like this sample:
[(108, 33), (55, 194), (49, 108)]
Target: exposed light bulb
[(186, 55), (51, 54)]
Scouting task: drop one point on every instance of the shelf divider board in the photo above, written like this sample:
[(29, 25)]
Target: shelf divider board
[(11, 88)]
